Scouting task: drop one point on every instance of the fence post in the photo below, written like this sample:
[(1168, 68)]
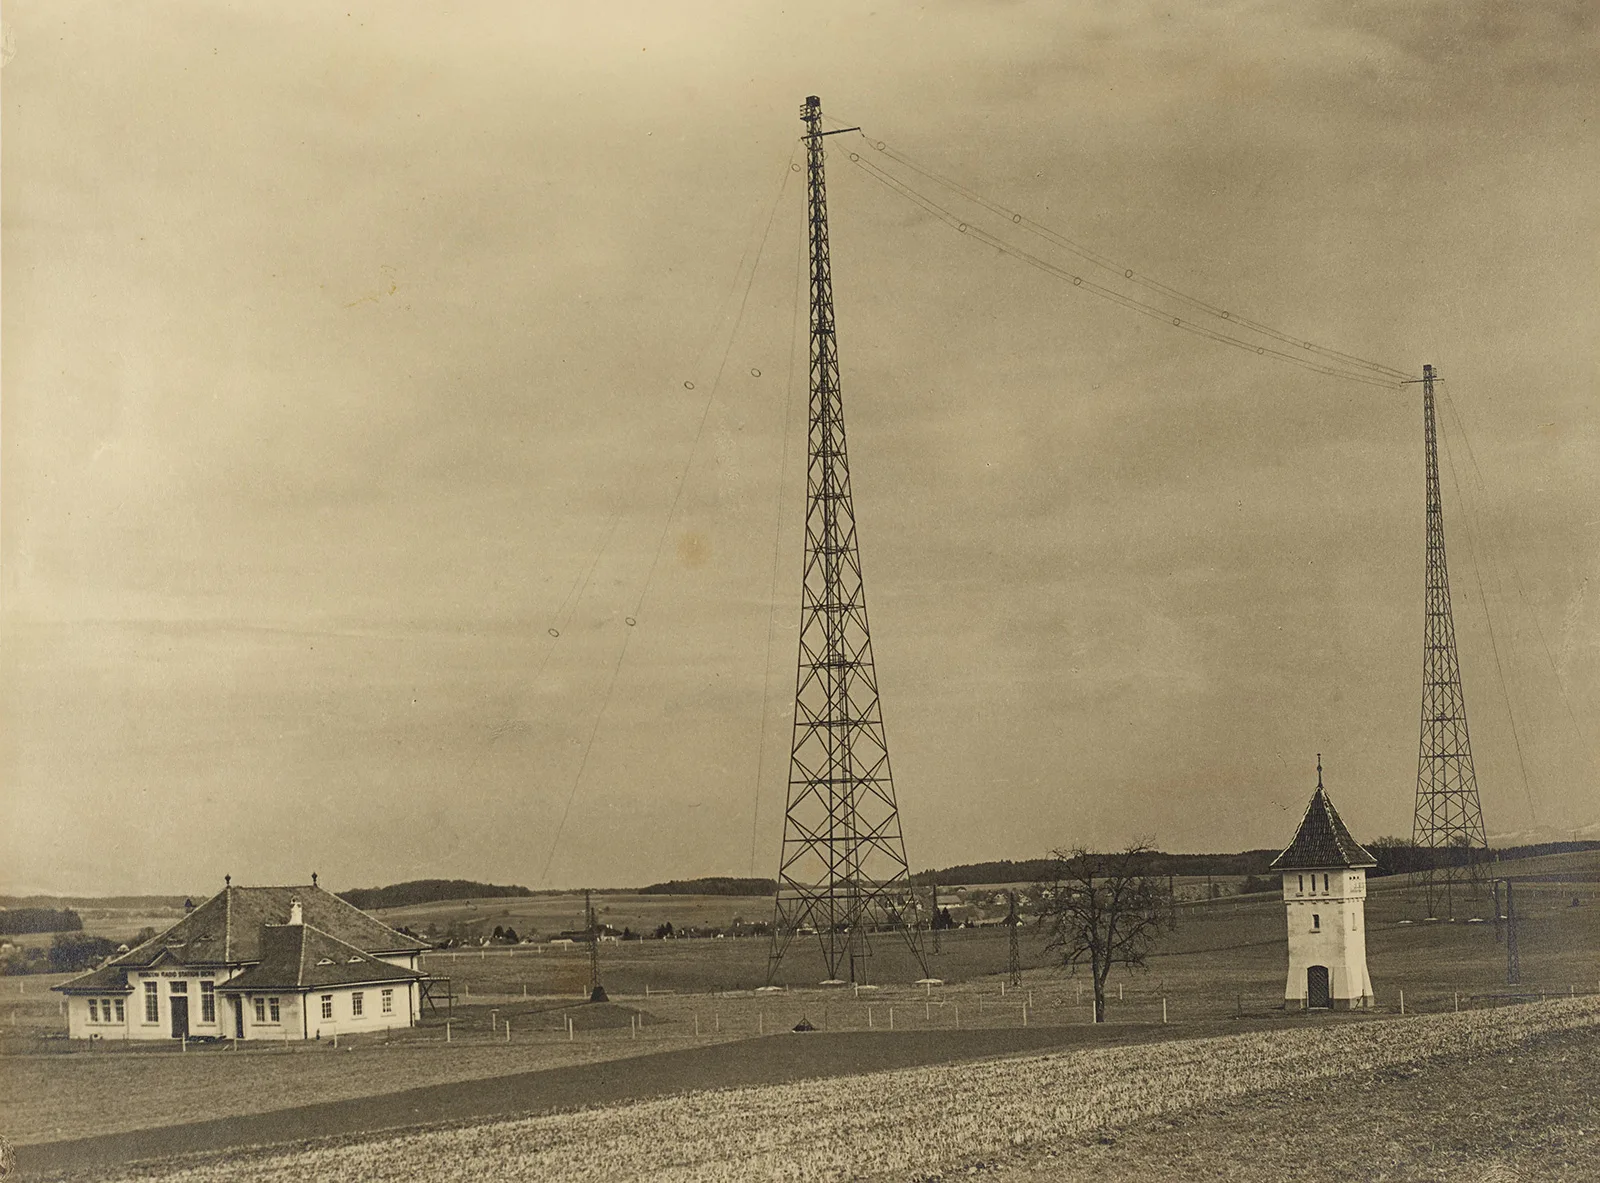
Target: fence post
[(1402, 1002), (447, 1030), (891, 1018), (1163, 1010), (508, 1030), (958, 1016)]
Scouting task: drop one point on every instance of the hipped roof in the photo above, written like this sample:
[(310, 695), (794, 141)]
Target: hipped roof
[(226, 929), (300, 957), (1322, 840)]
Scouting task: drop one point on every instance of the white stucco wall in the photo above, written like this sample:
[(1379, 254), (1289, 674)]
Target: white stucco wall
[(407, 1005), (164, 979), (372, 1018), (1326, 913)]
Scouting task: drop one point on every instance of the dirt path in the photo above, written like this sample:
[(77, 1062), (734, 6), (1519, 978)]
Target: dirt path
[(773, 1059)]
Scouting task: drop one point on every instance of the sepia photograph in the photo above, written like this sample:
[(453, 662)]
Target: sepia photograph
[(445, 452)]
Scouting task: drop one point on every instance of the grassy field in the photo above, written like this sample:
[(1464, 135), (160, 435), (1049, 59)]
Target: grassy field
[(1528, 1115), (1026, 1115), (1225, 958)]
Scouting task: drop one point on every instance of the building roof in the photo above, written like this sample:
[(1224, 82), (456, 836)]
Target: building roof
[(108, 979), (226, 929), (300, 957), (1322, 840)]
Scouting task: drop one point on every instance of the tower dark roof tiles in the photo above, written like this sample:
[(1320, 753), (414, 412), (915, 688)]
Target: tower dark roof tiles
[(1322, 840)]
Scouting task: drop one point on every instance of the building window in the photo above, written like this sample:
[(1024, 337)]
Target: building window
[(261, 1009), (273, 1011), (208, 1002), (152, 1002), (388, 1002), (94, 1010), (1316, 922), (327, 1006), (122, 1015), (355, 1003)]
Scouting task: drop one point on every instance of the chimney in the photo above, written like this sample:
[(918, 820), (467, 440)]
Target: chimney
[(295, 915)]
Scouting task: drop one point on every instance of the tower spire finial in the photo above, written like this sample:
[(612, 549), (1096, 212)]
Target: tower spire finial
[(1319, 770)]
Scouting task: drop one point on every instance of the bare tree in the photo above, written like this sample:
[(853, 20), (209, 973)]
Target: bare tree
[(1103, 910)]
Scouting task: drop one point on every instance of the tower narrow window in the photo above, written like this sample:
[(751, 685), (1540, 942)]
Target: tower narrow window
[(1316, 922)]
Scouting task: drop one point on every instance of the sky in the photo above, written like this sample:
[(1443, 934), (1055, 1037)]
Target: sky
[(367, 369)]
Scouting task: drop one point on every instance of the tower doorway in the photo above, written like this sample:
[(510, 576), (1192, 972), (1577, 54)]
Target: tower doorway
[(1318, 995)]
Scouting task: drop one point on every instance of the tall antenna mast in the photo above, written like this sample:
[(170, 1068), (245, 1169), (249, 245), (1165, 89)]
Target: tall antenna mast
[(842, 873), (1448, 825)]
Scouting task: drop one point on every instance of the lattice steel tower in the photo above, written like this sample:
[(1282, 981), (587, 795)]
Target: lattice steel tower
[(1448, 824), (842, 873)]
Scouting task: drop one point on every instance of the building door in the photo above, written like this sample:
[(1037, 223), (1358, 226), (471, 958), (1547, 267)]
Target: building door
[(1317, 993), (238, 1016), (180, 1016)]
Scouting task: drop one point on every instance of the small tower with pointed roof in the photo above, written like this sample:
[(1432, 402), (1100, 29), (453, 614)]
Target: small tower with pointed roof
[(1325, 892)]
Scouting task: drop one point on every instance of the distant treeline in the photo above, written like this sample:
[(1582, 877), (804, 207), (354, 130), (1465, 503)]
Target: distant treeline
[(15, 921), (1038, 870), (1394, 856), (427, 891), (713, 885), (1397, 856)]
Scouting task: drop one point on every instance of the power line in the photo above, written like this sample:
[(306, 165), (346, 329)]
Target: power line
[(1128, 273), (1516, 574), (953, 220), (777, 539), (1494, 645), (631, 621)]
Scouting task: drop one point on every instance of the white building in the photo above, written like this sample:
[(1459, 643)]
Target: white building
[(1324, 893), (255, 963)]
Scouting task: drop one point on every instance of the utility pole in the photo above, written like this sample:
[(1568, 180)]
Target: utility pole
[(597, 992), (1513, 963), (842, 872), (933, 891), (1447, 827), (1014, 922)]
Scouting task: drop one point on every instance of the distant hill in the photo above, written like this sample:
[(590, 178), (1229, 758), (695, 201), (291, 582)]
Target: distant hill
[(713, 885), (1036, 870), (427, 891)]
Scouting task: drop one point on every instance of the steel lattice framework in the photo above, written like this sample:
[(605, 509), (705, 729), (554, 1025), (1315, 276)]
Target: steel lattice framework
[(842, 873), (1448, 824)]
